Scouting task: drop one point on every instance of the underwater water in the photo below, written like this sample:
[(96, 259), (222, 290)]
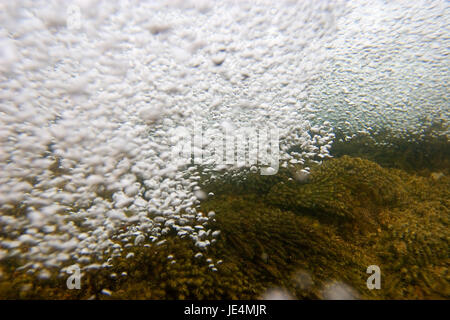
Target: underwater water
[(224, 149)]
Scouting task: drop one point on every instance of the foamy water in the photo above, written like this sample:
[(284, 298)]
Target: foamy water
[(92, 105)]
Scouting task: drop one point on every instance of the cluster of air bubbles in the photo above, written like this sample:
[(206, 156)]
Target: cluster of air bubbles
[(303, 282), (93, 96), (389, 71), (339, 291)]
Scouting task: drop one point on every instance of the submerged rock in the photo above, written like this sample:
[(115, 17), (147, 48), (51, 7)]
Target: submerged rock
[(302, 238)]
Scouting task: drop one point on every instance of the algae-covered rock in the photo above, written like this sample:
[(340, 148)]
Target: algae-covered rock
[(419, 152), (351, 213), (302, 237), (346, 187)]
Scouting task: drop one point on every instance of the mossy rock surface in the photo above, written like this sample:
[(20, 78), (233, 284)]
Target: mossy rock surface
[(349, 214)]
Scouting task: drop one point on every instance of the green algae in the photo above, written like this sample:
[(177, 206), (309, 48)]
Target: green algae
[(417, 153), (349, 214)]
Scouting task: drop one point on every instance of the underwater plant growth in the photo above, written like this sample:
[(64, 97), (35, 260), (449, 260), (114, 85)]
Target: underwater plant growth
[(109, 111), (300, 236)]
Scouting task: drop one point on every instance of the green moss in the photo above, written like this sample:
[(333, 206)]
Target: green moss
[(425, 152), (351, 213)]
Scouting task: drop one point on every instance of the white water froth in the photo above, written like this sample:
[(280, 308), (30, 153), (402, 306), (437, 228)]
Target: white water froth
[(88, 115)]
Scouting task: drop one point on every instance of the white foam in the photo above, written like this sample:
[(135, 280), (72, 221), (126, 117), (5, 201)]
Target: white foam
[(90, 116)]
